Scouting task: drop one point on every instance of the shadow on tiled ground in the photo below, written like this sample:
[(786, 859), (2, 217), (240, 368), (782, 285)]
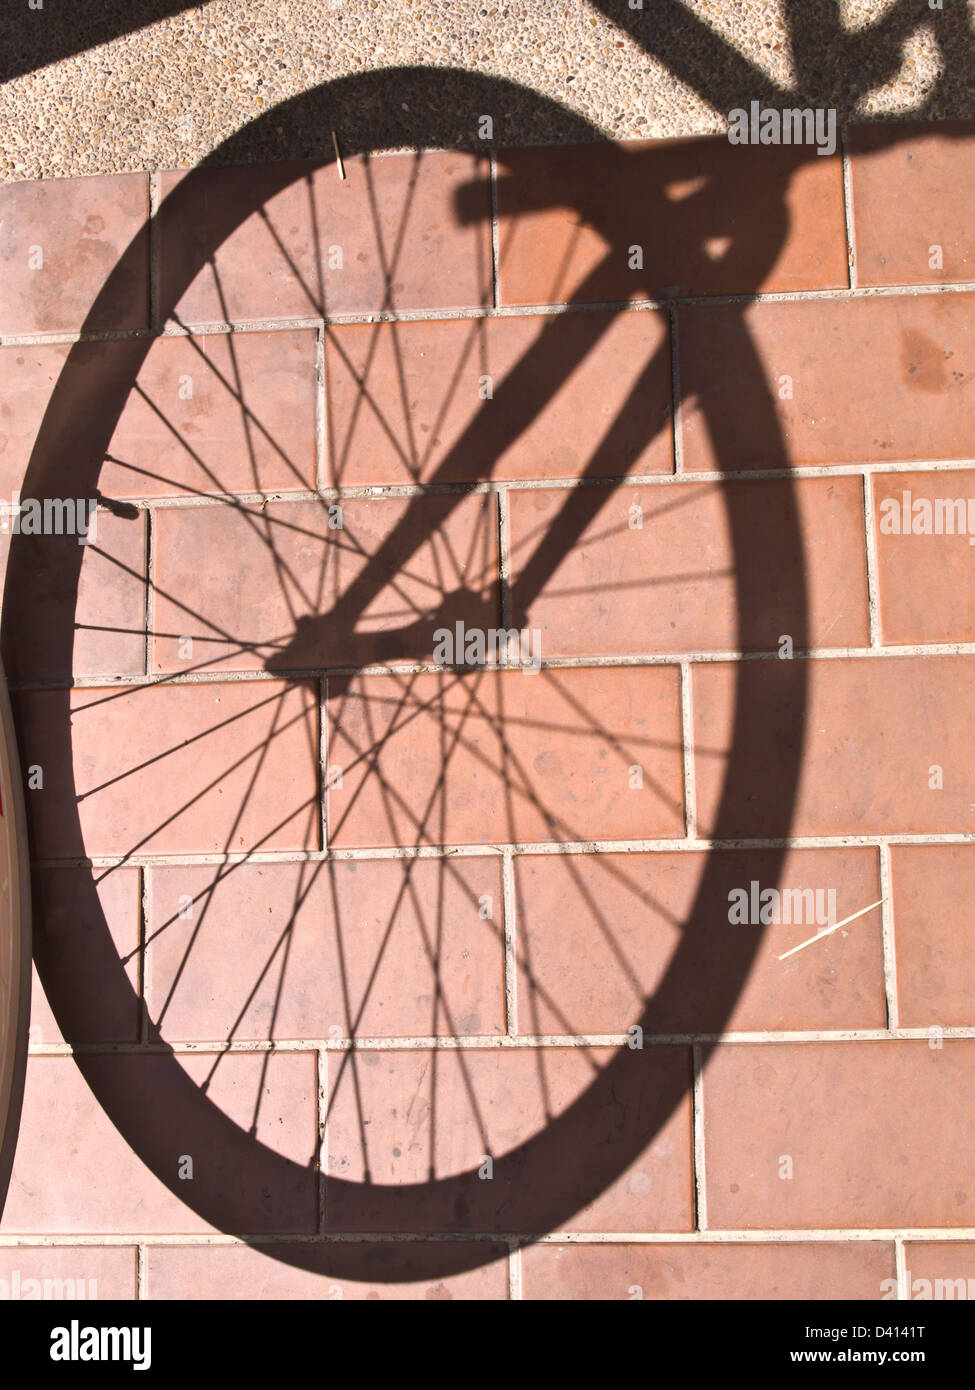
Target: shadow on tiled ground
[(337, 912)]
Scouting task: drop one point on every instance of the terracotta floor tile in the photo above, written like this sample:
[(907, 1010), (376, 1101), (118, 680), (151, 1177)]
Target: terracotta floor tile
[(303, 950), (89, 1272), (813, 1270), (218, 413), (413, 231), (61, 240), (474, 758), (910, 195), (656, 570), (241, 1271), (569, 218), (174, 769), (871, 379), (926, 581), (106, 603), (249, 424), (257, 587), (110, 595), (70, 945), (28, 376), (593, 970), (932, 890), (75, 1173), (444, 1112), (872, 732), (570, 393), (878, 1134), (939, 1270)]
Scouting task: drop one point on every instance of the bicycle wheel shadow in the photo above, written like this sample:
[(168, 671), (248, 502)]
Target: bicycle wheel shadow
[(241, 1183)]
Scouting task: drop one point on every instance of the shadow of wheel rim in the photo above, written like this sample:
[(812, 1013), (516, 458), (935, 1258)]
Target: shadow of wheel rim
[(553, 1165)]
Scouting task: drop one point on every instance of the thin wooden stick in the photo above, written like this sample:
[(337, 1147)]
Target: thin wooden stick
[(338, 155), (829, 930)]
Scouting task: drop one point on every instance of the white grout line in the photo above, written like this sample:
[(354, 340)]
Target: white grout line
[(564, 663), (321, 413), (145, 908), (556, 663), (504, 553), (323, 805), (477, 851), (687, 748), (873, 572), (514, 1272), (510, 944), (281, 497), (495, 232), (774, 1235), (849, 227), (900, 1267), (887, 918), (633, 306), (500, 1042), (322, 1094), (675, 399), (700, 1190)]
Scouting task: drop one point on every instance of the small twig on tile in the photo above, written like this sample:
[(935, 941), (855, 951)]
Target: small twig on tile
[(829, 930), (338, 155)]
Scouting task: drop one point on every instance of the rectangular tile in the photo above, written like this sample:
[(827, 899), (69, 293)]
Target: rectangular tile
[(208, 413), (92, 379), (831, 381), (708, 1271), (571, 219), (105, 606), (838, 1135), (215, 413), (406, 1270), (376, 948), (911, 211), (536, 397), (172, 769), (925, 529), (104, 602), (91, 1273), (593, 970), (873, 732), (78, 944), (69, 245), (405, 231), (702, 567), (941, 1271), (932, 888), (489, 756), (412, 1117), (288, 586), (107, 1189)]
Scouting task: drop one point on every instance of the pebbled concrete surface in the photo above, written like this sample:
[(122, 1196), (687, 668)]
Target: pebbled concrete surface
[(168, 94)]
